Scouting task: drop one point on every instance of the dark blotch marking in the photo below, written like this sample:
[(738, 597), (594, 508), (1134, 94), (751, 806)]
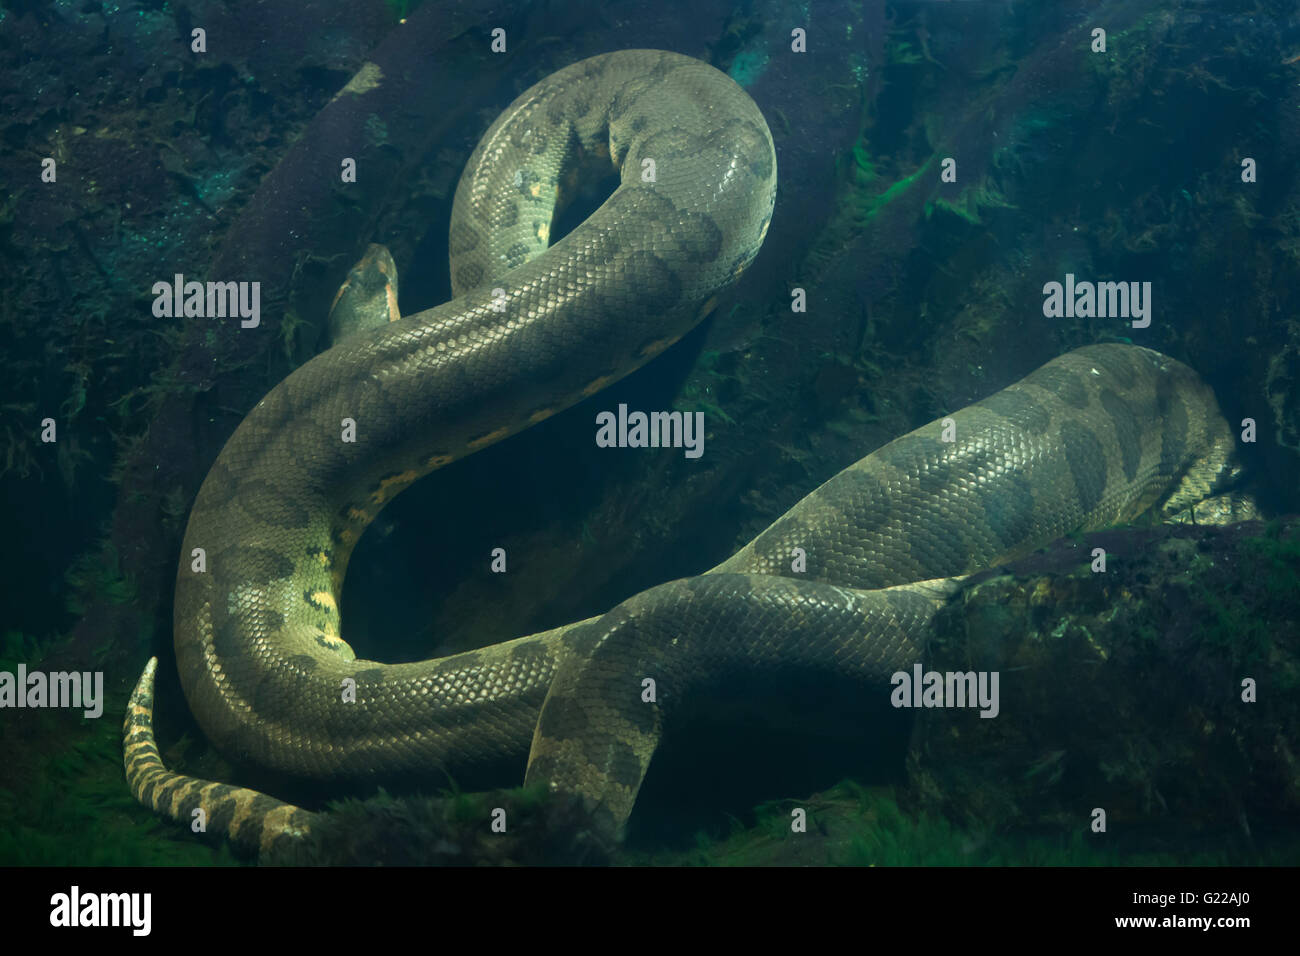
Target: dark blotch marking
[(563, 718), (310, 598), (259, 807), (663, 66), (516, 255), (469, 276), (622, 765), (1065, 385), (1115, 364), (261, 565), (1020, 409), (1127, 431), (263, 621), (226, 637), (1087, 461), (775, 543), (542, 769), (581, 640), (221, 812), (658, 287), (701, 238), (935, 479), (861, 495), (639, 714), (1009, 511), (749, 143), (509, 215), (462, 238), (220, 488), (303, 662), (639, 199), (1174, 427), (160, 789), (524, 182), (910, 454), (532, 656), (627, 96), (760, 163)]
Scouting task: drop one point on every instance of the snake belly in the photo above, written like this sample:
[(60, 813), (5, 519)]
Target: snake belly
[(1095, 437)]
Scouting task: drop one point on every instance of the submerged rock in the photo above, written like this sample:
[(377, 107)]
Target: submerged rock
[(1162, 690)]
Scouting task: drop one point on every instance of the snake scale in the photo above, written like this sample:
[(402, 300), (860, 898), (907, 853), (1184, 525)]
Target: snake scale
[(1096, 437)]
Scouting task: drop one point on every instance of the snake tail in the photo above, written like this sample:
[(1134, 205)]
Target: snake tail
[(248, 818)]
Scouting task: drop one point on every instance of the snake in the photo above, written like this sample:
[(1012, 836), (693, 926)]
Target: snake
[(842, 588)]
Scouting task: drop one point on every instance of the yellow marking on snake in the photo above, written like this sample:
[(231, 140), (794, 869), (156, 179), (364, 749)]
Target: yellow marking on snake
[(243, 812), (393, 312), (339, 294), (324, 599), (390, 487), (654, 348), (493, 436), (597, 384)]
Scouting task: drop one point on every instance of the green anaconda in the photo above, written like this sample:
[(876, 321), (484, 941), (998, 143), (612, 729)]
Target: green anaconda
[(1096, 437)]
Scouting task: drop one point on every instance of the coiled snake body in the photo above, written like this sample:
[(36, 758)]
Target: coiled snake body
[(1094, 438)]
